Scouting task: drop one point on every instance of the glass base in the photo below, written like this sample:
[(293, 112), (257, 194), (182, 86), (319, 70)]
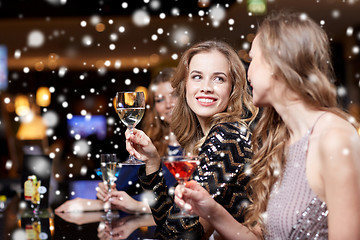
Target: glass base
[(110, 215), (133, 161), (182, 215)]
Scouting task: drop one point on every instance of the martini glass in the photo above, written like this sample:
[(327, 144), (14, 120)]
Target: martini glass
[(181, 167)]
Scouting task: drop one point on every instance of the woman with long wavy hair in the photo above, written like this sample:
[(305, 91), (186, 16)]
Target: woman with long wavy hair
[(305, 180), (210, 119), (156, 123)]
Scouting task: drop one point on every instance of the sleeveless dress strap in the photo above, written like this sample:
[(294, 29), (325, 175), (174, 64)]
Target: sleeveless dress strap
[(316, 121)]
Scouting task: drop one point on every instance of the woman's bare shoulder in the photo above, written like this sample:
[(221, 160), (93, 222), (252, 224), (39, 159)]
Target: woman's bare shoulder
[(337, 138)]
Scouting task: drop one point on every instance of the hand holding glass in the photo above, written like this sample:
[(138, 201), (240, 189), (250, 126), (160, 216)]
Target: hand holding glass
[(130, 107), (181, 167)]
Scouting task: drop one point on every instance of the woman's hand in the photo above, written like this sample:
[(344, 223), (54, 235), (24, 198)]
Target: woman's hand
[(102, 190), (80, 205), (195, 199), (140, 146), (120, 200), (122, 228), (81, 218)]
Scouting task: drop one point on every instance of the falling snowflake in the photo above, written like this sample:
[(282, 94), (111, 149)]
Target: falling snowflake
[(36, 39), (141, 18)]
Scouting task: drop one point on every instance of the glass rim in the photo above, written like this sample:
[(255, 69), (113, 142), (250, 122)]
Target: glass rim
[(109, 157), (179, 158), (129, 92)]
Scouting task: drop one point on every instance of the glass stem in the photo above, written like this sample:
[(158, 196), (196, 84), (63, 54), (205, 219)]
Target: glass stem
[(182, 188), (132, 158), (131, 130)]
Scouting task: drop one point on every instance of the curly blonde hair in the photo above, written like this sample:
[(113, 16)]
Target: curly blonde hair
[(156, 128), (298, 52), (185, 124)]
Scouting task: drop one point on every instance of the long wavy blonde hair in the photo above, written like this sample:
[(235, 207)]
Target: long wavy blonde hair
[(298, 52), (156, 128), (185, 124)]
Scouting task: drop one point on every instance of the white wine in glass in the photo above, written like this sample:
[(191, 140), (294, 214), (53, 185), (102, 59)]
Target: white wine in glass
[(130, 107), (108, 171)]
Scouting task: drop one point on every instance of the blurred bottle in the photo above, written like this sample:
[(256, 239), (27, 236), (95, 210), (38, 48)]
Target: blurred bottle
[(2, 203), (28, 188)]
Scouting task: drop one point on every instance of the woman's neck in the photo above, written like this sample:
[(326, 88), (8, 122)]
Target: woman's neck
[(172, 140), (298, 117), (204, 125)]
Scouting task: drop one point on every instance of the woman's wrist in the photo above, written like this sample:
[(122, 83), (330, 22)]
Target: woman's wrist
[(143, 207), (93, 205), (153, 165), (216, 212)]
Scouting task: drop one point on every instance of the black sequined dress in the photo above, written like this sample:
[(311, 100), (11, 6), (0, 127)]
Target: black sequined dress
[(224, 157)]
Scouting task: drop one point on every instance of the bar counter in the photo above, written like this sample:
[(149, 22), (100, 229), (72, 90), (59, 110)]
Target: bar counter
[(17, 223)]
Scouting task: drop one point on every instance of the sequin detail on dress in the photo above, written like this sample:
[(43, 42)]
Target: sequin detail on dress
[(313, 222), (294, 211)]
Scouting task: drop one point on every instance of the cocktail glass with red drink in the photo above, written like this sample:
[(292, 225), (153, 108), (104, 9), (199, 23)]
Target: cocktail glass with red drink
[(181, 167)]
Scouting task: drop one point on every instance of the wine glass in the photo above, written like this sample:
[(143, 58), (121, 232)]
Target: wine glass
[(109, 175), (130, 107), (181, 167)]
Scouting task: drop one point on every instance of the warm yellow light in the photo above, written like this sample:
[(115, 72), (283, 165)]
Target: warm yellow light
[(154, 58), (22, 105), (142, 89), (43, 97), (144, 229), (203, 3), (52, 60), (114, 103), (52, 226), (256, 6), (100, 27), (39, 66), (359, 130), (33, 130), (99, 64)]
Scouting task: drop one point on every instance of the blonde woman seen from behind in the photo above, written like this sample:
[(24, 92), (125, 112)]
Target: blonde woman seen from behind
[(306, 164)]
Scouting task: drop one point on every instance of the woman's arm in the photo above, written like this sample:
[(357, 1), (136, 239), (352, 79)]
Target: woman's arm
[(81, 218), (340, 159), (81, 205), (198, 201), (224, 157)]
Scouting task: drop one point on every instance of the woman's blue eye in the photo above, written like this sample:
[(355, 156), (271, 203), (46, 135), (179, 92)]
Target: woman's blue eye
[(219, 79), (159, 100), (196, 77)]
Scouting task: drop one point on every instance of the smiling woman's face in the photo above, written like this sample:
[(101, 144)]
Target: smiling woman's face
[(208, 85)]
